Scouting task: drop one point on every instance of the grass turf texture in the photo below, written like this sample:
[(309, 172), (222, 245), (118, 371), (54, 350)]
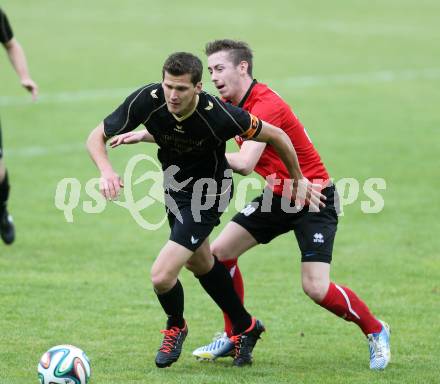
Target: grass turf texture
[(87, 283)]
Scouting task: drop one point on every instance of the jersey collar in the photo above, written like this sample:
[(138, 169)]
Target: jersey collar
[(181, 118), (243, 100)]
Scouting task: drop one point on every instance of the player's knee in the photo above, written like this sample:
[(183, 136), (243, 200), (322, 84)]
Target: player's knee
[(162, 281), (196, 267), (220, 252), (191, 266), (200, 266), (314, 288)]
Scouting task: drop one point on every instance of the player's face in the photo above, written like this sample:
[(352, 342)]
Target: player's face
[(224, 74), (180, 93)]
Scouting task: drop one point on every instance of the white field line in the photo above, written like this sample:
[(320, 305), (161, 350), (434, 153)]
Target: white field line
[(295, 81), (67, 97), (359, 78), (37, 151)]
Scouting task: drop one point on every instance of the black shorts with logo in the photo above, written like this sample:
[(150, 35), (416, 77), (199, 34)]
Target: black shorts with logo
[(189, 224), (314, 231)]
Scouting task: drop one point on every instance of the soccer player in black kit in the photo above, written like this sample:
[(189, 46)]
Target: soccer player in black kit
[(17, 58), (191, 128)]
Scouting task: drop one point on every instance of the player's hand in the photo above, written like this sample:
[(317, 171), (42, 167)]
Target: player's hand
[(110, 184), (308, 193), (31, 86), (126, 138)]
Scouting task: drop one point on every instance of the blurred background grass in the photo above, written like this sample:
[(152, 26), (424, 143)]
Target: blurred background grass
[(364, 78)]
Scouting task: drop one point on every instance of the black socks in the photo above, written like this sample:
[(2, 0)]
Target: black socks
[(4, 192), (173, 303), (218, 284)]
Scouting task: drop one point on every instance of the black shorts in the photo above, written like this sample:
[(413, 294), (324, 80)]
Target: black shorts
[(314, 231), (189, 224)]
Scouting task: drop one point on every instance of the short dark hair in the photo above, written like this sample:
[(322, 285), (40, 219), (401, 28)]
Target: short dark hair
[(238, 51), (182, 63)]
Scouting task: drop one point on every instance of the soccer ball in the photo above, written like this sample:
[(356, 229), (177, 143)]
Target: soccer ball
[(64, 364)]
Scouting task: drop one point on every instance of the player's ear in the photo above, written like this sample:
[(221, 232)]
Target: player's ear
[(244, 65), (199, 87)]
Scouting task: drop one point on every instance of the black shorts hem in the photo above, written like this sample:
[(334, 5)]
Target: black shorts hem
[(186, 244), (318, 257)]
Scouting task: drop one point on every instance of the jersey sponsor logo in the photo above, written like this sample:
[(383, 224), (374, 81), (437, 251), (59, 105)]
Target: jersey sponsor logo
[(318, 238), (194, 240), (179, 128), (209, 106), (153, 94)]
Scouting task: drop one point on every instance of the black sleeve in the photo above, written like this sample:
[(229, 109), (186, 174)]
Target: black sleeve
[(237, 122), (131, 113), (6, 33)]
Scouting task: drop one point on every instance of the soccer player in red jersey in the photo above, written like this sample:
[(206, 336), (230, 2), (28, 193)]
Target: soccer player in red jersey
[(230, 66)]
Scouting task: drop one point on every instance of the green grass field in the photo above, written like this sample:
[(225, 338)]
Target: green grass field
[(364, 77)]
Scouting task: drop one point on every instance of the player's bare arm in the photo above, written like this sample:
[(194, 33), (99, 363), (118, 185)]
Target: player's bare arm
[(18, 60), (132, 138), (284, 147), (245, 160), (110, 183)]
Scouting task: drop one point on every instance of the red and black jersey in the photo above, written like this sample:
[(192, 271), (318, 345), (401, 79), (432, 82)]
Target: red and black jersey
[(6, 33), (266, 104)]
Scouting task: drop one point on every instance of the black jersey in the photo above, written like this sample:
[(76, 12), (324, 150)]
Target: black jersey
[(197, 143), (5, 28)]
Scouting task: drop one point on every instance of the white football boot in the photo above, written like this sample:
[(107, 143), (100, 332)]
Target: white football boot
[(221, 346), (380, 349)]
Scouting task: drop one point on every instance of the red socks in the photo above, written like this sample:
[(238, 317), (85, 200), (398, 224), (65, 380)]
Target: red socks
[(343, 302), (232, 267)]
